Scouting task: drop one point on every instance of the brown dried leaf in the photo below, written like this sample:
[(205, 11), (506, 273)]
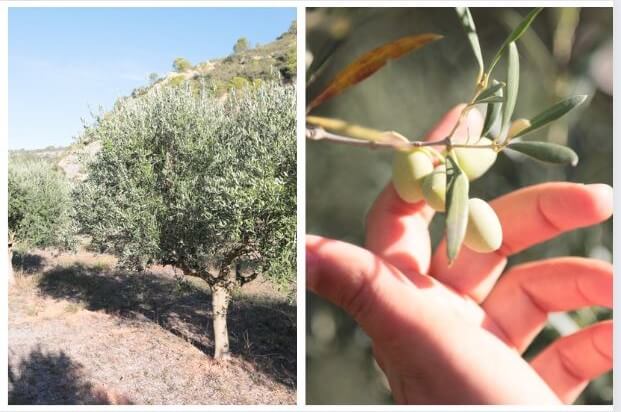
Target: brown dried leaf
[(369, 63)]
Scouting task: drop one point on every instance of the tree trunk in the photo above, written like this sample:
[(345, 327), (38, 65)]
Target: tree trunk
[(10, 267), (220, 304)]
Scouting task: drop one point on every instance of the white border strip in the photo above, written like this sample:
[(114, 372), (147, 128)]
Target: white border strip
[(301, 249), (4, 235), (301, 4)]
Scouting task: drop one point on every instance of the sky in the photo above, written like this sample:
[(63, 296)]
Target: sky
[(66, 63)]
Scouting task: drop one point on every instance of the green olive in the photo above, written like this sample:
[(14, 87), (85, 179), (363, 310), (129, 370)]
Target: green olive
[(434, 188), (473, 161), (408, 170), (484, 232)]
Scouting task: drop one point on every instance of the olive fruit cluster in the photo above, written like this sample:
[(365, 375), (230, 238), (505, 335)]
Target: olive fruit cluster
[(415, 177)]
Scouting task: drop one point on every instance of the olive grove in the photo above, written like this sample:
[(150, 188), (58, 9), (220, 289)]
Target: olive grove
[(205, 184)]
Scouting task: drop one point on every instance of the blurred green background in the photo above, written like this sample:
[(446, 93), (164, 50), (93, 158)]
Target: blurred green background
[(567, 51)]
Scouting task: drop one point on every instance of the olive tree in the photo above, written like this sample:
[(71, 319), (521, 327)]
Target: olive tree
[(181, 64), (39, 209), (40, 212), (204, 184), (241, 45)]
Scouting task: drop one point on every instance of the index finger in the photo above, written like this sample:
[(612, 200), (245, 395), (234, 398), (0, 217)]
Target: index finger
[(528, 216)]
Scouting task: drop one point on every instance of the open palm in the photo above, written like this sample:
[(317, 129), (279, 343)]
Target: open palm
[(455, 335)]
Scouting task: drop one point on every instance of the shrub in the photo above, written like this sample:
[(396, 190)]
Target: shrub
[(40, 205), (204, 184), (241, 45), (176, 80), (181, 65), (238, 83)]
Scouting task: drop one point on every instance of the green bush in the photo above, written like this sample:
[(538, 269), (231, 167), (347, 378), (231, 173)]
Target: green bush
[(241, 45), (176, 80), (200, 183), (181, 64), (238, 83), (40, 205)]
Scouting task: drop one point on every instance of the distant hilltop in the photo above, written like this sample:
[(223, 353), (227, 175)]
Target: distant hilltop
[(245, 66)]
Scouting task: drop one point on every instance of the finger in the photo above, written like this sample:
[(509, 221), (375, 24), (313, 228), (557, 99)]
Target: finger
[(572, 361), (371, 290), (397, 230), (520, 303), (528, 216)]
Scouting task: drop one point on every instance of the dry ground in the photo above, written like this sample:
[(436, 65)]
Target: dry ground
[(83, 332)]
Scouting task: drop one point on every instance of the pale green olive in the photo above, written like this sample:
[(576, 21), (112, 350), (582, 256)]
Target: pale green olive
[(473, 161), (434, 188), (484, 232), (408, 170)]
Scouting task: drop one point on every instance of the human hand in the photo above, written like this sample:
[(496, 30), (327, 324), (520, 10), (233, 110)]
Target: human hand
[(454, 335)]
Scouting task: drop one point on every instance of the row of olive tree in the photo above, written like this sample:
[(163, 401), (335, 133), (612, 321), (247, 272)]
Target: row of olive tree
[(205, 185)]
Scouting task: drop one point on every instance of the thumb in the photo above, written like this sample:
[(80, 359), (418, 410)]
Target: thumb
[(364, 285)]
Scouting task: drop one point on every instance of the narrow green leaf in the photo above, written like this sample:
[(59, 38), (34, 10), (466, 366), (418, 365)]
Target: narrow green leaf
[(558, 110), (515, 35), (456, 208), (490, 91), (493, 111), (546, 152), (513, 84), (491, 99), (471, 31)]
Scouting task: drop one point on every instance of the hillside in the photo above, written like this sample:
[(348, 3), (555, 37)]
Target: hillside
[(275, 60)]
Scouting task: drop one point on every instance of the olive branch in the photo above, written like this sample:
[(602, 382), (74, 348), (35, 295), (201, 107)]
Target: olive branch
[(442, 177)]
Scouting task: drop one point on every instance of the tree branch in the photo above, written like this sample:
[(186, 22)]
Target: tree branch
[(318, 133), (245, 279)]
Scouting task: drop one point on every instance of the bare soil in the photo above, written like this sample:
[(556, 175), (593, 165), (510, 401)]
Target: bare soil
[(82, 331)]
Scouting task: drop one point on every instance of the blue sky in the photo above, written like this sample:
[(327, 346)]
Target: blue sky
[(64, 63)]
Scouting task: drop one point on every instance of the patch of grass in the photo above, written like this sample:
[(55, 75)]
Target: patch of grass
[(26, 281), (101, 266), (32, 310), (73, 308)]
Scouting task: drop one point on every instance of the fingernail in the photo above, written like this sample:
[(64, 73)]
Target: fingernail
[(604, 195)]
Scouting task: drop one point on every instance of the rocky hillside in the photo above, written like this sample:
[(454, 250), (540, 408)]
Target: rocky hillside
[(275, 60), (246, 66)]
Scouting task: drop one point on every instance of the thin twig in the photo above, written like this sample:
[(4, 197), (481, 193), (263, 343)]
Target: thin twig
[(318, 133)]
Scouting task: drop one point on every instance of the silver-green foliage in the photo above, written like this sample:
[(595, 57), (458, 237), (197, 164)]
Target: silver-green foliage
[(196, 181), (40, 205)]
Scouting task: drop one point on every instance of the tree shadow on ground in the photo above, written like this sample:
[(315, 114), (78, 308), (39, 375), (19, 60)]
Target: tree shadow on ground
[(27, 262), (262, 330), (54, 379)]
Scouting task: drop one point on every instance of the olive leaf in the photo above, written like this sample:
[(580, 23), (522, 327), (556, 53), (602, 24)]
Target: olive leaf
[(493, 110), (471, 31), (558, 110), (491, 99), (358, 132), (513, 83), (456, 208), (490, 91), (546, 152), (369, 63), (515, 35)]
